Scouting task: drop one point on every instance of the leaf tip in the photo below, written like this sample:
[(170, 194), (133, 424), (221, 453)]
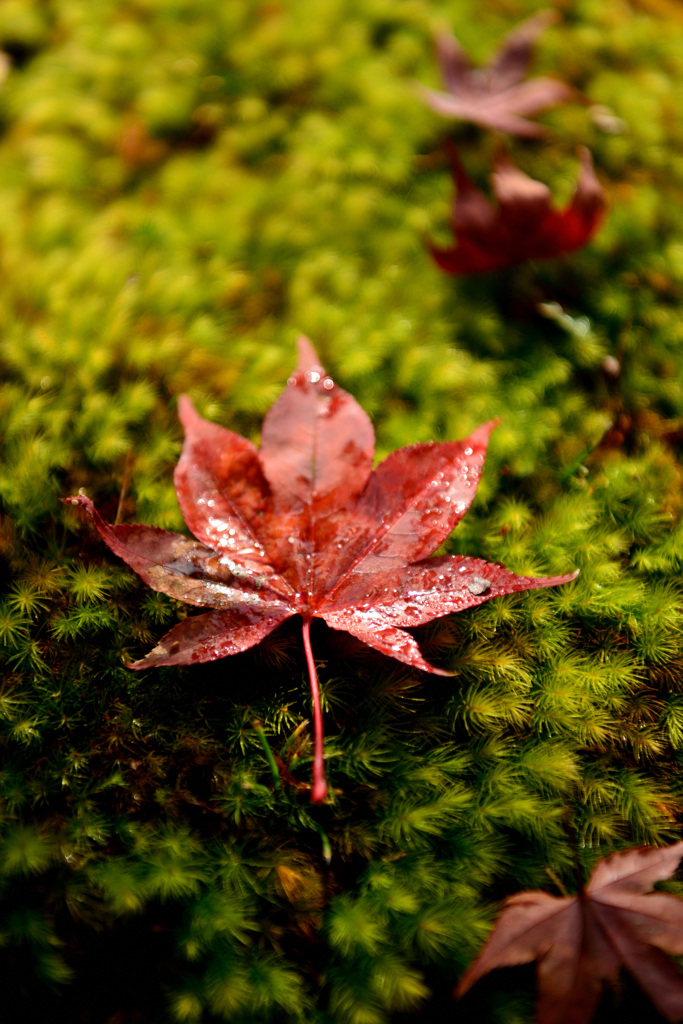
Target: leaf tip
[(589, 193), (433, 670), (482, 434), (80, 500), (555, 581), (186, 411), (308, 357), (543, 20)]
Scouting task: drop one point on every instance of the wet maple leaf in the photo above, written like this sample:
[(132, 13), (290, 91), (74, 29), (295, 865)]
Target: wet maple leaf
[(496, 96), (583, 941), (305, 527), (523, 225)]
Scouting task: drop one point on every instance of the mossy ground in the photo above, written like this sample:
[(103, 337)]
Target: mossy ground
[(184, 186)]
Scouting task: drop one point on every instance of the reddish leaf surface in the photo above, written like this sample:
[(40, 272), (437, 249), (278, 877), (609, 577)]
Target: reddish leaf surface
[(305, 527), (523, 225), (496, 96), (583, 941)]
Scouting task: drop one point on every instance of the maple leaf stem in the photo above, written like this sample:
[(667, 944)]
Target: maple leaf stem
[(319, 791)]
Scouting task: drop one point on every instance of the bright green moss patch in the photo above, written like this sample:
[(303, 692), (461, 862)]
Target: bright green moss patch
[(183, 188)]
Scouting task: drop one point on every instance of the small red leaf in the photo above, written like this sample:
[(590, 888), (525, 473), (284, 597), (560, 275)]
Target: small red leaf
[(524, 225), (304, 526), (495, 96), (582, 942)]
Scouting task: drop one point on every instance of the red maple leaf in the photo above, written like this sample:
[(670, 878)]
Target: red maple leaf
[(524, 225), (583, 941), (495, 96), (305, 527)]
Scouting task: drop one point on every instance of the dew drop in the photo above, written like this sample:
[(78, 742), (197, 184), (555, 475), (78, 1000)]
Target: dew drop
[(478, 585), (211, 503), (328, 383), (468, 451), (312, 376)]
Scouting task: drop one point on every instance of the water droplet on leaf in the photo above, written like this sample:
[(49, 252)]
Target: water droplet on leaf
[(478, 585)]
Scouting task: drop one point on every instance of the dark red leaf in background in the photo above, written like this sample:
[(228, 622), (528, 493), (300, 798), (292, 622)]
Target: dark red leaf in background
[(495, 96), (305, 527), (583, 941), (523, 225)]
